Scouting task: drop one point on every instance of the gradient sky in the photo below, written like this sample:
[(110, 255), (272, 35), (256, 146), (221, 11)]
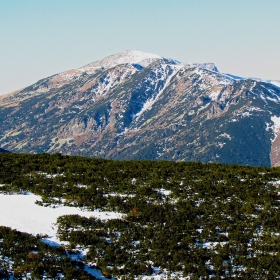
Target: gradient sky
[(40, 38)]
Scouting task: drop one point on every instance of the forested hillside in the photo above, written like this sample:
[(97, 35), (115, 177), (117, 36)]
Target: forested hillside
[(180, 219)]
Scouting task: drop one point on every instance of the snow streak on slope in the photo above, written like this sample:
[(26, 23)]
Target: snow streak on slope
[(148, 105), (23, 214)]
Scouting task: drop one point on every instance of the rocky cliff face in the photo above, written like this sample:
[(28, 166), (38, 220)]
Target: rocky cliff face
[(135, 105)]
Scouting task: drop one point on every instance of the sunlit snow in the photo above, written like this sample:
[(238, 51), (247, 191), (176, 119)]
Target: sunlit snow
[(20, 212), (276, 125), (214, 94), (129, 56)]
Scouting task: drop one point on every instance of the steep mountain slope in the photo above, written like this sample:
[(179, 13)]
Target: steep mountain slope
[(135, 105)]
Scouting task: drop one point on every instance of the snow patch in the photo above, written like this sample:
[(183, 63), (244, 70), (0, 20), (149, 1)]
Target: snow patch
[(224, 135), (276, 126), (23, 214), (164, 192), (255, 109), (214, 95), (246, 114)]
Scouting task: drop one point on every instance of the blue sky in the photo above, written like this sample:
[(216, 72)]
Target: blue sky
[(40, 38)]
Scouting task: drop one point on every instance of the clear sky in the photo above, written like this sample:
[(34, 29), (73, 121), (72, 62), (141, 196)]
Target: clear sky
[(39, 38)]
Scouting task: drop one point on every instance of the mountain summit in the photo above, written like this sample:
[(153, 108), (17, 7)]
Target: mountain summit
[(135, 105), (126, 57)]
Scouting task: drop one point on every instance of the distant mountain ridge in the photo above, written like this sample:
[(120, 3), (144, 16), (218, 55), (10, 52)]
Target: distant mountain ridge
[(135, 105)]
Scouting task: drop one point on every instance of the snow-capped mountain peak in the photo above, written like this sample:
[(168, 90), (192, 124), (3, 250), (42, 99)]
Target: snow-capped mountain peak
[(112, 108), (129, 56)]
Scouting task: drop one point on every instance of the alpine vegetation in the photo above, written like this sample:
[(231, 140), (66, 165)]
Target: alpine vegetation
[(88, 218)]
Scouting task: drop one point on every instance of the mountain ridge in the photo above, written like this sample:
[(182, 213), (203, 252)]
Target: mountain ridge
[(134, 105)]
